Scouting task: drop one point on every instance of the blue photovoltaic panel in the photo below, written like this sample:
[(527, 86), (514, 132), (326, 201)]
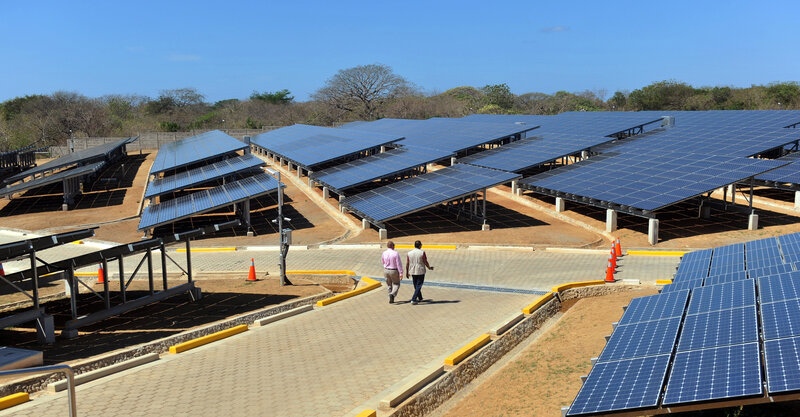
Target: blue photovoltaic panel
[(206, 200), (381, 165), (594, 123), (763, 252), (694, 265), (787, 174), (187, 179), (723, 296), (50, 179), (621, 385), (783, 364), (688, 284), (769, 270), (727, 259), (726, 277), (713, 374), (790, 247), (785, 286), (427, 190), (719, 328), (780, 319), (641, 339), (655, 307), (194, 149), (447, 135), (646, 181)]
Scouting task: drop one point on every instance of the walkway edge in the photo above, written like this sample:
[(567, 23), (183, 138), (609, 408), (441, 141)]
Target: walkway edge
[(467, 350), (371, 285), (14, 399), (108, 370), (656, 252), (204, 340)]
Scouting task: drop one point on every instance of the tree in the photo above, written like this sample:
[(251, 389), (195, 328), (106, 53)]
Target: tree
[(783, 93), (618, 101), (362, 89), (273, 97), (662, 95), (498, 95)]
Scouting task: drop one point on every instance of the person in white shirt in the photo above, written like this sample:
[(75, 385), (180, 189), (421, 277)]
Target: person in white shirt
[(416, 263)]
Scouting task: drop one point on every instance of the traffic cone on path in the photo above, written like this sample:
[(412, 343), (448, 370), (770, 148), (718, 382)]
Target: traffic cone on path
[(618, 248), (613, 260), (101, 276), (252, 275), (609, 273), (2, 271)]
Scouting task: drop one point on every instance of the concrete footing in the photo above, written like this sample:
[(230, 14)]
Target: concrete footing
[(611, 220), (514, 187), (383, 234), (326, 193), (652, 231), (485, 227), (732, 192), (452, 160), (796, 200), (299, 172), (752, 222), (584, 155), (559, 205), (364, 224), (64, 207)]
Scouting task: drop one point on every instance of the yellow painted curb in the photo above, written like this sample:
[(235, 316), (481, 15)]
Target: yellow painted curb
[(663, 281), (367, 413), (213, 337), (656, 252), (231, 249), (14, 399), (77, 242), (563, 287), (538, 303), (323, 272), (467, 350), (407, 246), (372, 285), (77, 274)]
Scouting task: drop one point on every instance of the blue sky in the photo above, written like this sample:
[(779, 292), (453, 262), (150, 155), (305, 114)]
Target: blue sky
[(228, 49)]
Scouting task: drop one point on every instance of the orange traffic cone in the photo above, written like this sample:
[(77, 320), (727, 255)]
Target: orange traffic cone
[(252, 275), (101, 276), (618, 248), (2, 271), (610, 273), (613, 260)]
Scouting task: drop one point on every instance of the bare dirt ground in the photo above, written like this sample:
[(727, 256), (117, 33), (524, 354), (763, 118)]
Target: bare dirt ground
[(222, 298)]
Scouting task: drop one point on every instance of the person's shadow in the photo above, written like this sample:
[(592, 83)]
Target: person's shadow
[(429, 301)]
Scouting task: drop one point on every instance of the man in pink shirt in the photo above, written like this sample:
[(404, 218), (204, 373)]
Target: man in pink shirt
[(392, 270)]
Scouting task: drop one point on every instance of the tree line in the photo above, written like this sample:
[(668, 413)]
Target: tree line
[(365, 92)]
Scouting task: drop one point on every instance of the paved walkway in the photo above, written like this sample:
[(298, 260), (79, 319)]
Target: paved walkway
[(323, 363)]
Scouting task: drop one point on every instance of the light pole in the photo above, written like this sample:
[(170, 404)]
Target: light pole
[(71, 142), (224, 126), (284, 235)]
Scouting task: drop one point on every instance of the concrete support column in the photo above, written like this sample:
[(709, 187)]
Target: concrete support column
[(485, 227), (452, 160), (560, 205), (341, 198), (311, 182), (325, 193), (732, 192), (342, 209), (584, 155), (364, 224), (280, 162), (514, 187), (705, 211), (611, 220), (299, 171), (652, 231), (383, 148), (797, 200), (752, 222), (383, 234)]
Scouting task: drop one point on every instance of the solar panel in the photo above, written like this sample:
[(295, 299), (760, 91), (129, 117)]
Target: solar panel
[(187, 179), (621, 385), (727, 259), (655, 307), (780, 319), (594, 123), (694, 265), (50, 179), (723, 296), (381, 165), (725, 277), (779, 287), (719, 328), (715, 373), (790, 245), (84, 156), (194, 149), (448, 135), (646, 181), (206, 200), (782, 357), (769, 270), (641, 339), (427, 190)]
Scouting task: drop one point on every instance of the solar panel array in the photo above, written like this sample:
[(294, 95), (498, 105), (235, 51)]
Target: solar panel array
[(309, 146), (647, 181), (207, 200), (190, 178), (54, 178), (382, 165), (785, 174), (726, 326), (427, 190), (195, 149), (85, 156)]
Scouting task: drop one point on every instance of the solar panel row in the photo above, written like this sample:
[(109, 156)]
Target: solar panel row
[(195, 149), (190, 178), (50, 179)]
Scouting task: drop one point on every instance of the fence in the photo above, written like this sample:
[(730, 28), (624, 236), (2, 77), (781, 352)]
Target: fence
[(151, 140)]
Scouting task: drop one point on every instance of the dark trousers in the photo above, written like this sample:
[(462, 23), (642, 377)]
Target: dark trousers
[(418, 280)]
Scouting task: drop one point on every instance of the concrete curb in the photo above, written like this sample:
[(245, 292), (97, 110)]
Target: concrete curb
[(371, 285), (577, 251), (467, 350), (14, 399), (204, 340), (99, 373), (284, 315), (656, 252)]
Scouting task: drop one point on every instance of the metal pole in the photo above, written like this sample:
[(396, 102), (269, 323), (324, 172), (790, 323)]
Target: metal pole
[(105, 284), (751, 193), (73, 299), (188, 260), (122, 280), (164, 265), (280, 231), (73, 407), (150, 269), (35, 280)]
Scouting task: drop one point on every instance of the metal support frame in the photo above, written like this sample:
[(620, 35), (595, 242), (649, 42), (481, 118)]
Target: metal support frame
[(66, 369)]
